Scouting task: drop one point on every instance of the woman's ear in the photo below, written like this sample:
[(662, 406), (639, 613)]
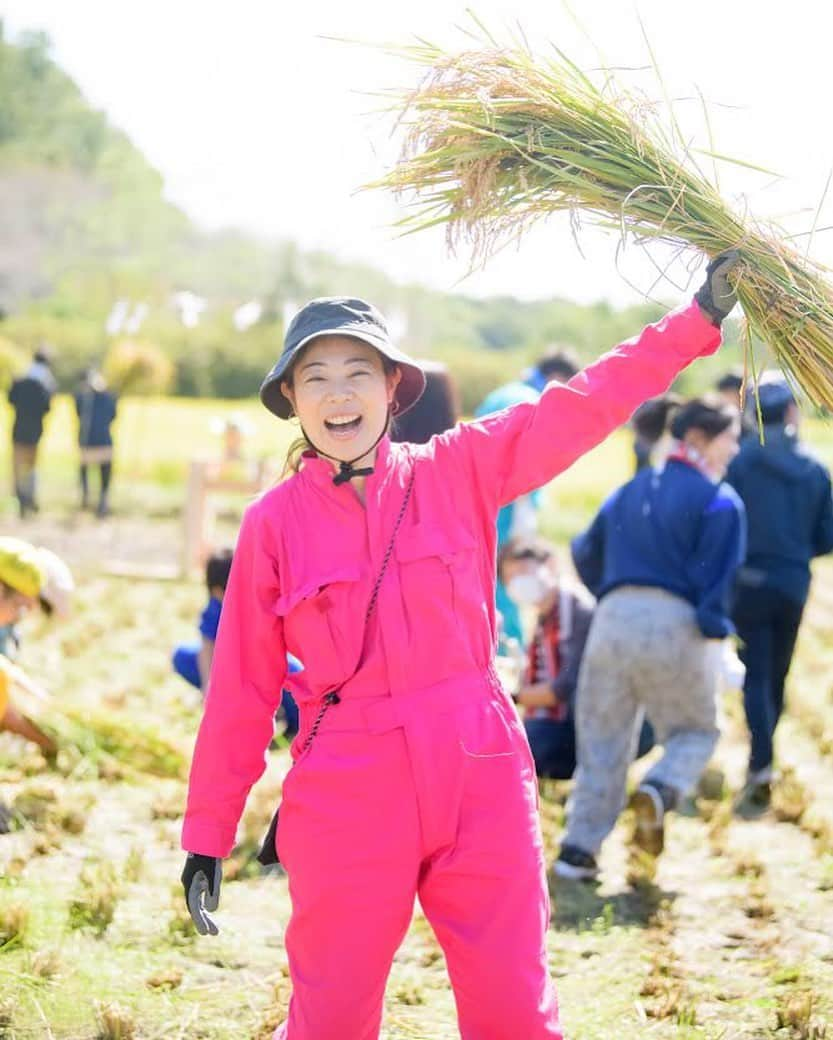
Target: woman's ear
[(394, 379), (286, 390)]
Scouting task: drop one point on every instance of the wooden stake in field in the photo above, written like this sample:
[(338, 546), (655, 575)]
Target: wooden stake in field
[(498, 139)]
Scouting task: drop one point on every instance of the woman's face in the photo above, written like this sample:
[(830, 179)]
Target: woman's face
[(13, 605), (718, 452), (341, 394), (530, 582)]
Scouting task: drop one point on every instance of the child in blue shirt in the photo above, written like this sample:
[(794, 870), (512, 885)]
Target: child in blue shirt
[(192, 660)]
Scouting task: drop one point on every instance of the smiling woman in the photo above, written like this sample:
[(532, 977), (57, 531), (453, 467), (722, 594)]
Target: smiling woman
[(411, 770), (342, 355), (343, 392)]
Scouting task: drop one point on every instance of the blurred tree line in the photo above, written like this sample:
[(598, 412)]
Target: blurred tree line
[(84, 223)]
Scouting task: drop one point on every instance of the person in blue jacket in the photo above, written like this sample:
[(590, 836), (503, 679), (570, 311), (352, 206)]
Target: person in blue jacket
[(519, 519), (660, 557), (787, 495), (96, 409)]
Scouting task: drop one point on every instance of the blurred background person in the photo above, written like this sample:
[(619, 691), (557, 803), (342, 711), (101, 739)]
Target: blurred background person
[(547, 692), (650, 429), (435, 412), (96, 409), (730, 387), (192, 660), (787, 495), (234, 430), (31, 397), (558, 364), (520, 518), (660, 557), (29, 577)]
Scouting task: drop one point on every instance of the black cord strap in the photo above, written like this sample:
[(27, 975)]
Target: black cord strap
[(333, 696), (346, 470)]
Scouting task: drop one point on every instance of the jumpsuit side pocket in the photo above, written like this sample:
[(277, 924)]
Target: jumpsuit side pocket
[(484, 733)]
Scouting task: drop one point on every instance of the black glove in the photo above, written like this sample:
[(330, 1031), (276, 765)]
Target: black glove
[(716, 296), (201, 880)]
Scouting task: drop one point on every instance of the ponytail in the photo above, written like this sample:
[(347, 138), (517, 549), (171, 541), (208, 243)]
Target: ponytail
[(294, 454), (652, 419)]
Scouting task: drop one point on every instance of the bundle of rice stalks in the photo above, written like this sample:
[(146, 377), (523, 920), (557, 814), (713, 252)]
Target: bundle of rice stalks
[(498, 139), (114, 1022), (14, 921), (94, 904), (103, 738)]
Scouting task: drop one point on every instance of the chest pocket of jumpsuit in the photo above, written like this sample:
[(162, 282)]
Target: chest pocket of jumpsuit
[(319, 617), (438, 573)]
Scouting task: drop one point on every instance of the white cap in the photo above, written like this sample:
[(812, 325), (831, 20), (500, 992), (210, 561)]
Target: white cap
[(58, 585)]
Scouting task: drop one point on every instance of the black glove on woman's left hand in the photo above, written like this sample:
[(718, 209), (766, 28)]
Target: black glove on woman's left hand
[(716, 296), (201, 880)]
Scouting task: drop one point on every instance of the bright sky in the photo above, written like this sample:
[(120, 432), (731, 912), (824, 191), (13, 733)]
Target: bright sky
[(258, 122)]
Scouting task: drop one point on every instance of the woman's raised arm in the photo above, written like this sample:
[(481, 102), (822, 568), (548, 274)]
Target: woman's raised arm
[(525, 446)]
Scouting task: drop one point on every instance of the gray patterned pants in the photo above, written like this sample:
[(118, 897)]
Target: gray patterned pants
[(645, 655)]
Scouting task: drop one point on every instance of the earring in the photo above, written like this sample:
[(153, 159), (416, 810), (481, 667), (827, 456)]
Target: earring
[(394, 409)]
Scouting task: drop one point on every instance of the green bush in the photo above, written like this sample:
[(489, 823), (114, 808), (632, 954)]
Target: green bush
[(138, 368), (477, 372)]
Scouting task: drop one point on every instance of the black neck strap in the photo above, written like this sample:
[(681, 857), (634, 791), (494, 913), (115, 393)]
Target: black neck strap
[(347, 470)]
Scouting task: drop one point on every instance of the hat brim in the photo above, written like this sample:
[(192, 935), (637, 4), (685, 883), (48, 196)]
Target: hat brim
[(408, 392)]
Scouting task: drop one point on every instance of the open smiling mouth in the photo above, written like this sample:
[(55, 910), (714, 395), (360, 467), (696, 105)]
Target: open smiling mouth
[(342, 426)]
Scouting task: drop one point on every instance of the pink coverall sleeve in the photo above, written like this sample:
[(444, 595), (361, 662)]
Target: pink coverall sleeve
[(244, 691), (525, 446)]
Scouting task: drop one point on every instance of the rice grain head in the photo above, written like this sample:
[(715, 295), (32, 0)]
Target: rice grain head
[(498, 140)]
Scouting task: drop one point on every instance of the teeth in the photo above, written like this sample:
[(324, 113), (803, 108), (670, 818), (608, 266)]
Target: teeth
[(342, 420)]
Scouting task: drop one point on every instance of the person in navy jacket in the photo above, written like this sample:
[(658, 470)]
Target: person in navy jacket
[(788, 502), (96, 408), (660, 557)]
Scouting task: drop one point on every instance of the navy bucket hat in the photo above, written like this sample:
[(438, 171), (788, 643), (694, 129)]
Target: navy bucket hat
[(340, 316), (774, 395)]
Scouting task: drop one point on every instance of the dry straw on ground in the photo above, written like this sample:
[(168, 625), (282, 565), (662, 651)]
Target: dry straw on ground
[(498, 139)]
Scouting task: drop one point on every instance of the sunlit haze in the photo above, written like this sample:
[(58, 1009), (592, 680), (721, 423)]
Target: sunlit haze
[(257, 120)]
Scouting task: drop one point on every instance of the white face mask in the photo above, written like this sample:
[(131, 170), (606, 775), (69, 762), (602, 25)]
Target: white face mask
[(529, 590)]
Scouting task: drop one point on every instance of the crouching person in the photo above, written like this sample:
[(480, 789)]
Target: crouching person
[(30, 577), (529, 570)]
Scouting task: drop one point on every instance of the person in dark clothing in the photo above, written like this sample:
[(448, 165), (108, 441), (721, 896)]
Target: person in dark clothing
[(787, 494), (435, 412), (558, 364), (96, 408), (30, 396), (729, 386), (528, 567)]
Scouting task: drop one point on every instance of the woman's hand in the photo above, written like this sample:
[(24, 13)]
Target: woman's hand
[(201, 880), (716, 296)]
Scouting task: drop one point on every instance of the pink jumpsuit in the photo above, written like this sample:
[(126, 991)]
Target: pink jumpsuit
[(420, 782)]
